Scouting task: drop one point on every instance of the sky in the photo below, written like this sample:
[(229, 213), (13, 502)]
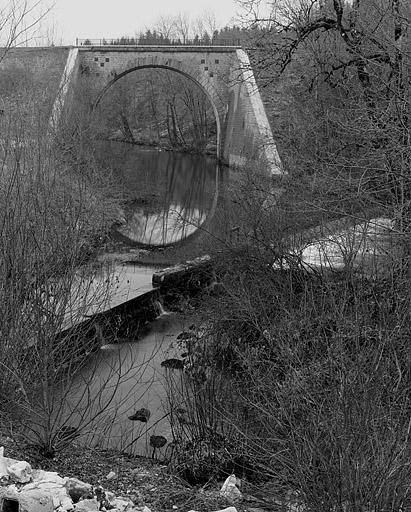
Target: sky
[(92, 19)]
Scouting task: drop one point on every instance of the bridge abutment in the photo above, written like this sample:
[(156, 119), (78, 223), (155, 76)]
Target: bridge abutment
[(248, 136)]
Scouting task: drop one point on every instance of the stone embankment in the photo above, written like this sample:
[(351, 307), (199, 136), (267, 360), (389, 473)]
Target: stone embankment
[(23, 489)]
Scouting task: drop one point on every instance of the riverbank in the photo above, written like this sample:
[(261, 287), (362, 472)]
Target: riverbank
[(144, 481), (209, 150)]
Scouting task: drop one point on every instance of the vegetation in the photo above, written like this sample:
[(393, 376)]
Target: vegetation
[(296, 372), (306, 369), (181, 30), (56, 210), (158, 107)]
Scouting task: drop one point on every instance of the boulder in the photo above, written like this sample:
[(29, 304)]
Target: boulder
[(3, 463), (87, 505), (77, 489), (122, 505), (20, 472), (49, 476), (33, 500), (230, 490)]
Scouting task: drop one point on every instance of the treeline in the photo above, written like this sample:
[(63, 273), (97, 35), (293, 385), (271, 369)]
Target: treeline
[(227, 36)]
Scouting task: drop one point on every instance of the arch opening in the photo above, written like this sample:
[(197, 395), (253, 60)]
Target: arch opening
[(187, 75), (168, 195)]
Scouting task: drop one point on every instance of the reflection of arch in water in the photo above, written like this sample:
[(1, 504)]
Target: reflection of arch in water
[(209, 91), (175, 224)]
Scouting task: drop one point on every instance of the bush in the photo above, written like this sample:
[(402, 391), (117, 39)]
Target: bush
[(55, 211), (302, 371)]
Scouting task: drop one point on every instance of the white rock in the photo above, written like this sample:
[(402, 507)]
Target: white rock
[(111, 475), (87, 505), (31, 486), (230, 491), (122, 505), (35, 500), (3, 463), (50, 486), (66, 504), (228, 509), (110, 497), (20, 471), (49, 476)]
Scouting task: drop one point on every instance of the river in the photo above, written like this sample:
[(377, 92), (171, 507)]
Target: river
[(168, 196), (122, 379)]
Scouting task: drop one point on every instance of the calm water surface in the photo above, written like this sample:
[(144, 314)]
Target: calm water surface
[(121, 379), (168, 195)]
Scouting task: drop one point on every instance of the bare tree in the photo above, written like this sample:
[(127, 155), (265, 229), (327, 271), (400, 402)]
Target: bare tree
[(210, 22), (182, 24), (19, 21), (165, 27)]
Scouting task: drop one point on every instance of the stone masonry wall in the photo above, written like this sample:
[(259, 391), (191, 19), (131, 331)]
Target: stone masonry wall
[(210, 68), (224, 73), (248, 133)]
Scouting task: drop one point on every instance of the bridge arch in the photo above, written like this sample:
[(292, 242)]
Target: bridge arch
[(177, 66)]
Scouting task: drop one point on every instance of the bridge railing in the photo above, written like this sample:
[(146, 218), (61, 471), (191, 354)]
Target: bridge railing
[(131, 41)]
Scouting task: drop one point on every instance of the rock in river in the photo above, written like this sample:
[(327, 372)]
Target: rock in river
[(173, 364), (142, 415)]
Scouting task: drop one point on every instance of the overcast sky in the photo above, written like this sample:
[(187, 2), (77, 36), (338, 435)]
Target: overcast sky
[(114, 18)]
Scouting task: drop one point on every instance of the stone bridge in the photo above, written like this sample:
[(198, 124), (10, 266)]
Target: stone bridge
[(222, 72)]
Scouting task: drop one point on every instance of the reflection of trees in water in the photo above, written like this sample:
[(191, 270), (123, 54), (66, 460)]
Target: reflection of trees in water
[(185, 201)]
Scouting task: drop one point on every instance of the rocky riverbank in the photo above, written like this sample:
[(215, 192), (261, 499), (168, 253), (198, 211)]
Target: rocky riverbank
[(91, 480)]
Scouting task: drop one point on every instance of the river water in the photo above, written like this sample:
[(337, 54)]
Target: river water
[(168, 195), (122, 379)]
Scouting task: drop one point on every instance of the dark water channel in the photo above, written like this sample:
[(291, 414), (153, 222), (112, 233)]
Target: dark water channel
[(168, 196)]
